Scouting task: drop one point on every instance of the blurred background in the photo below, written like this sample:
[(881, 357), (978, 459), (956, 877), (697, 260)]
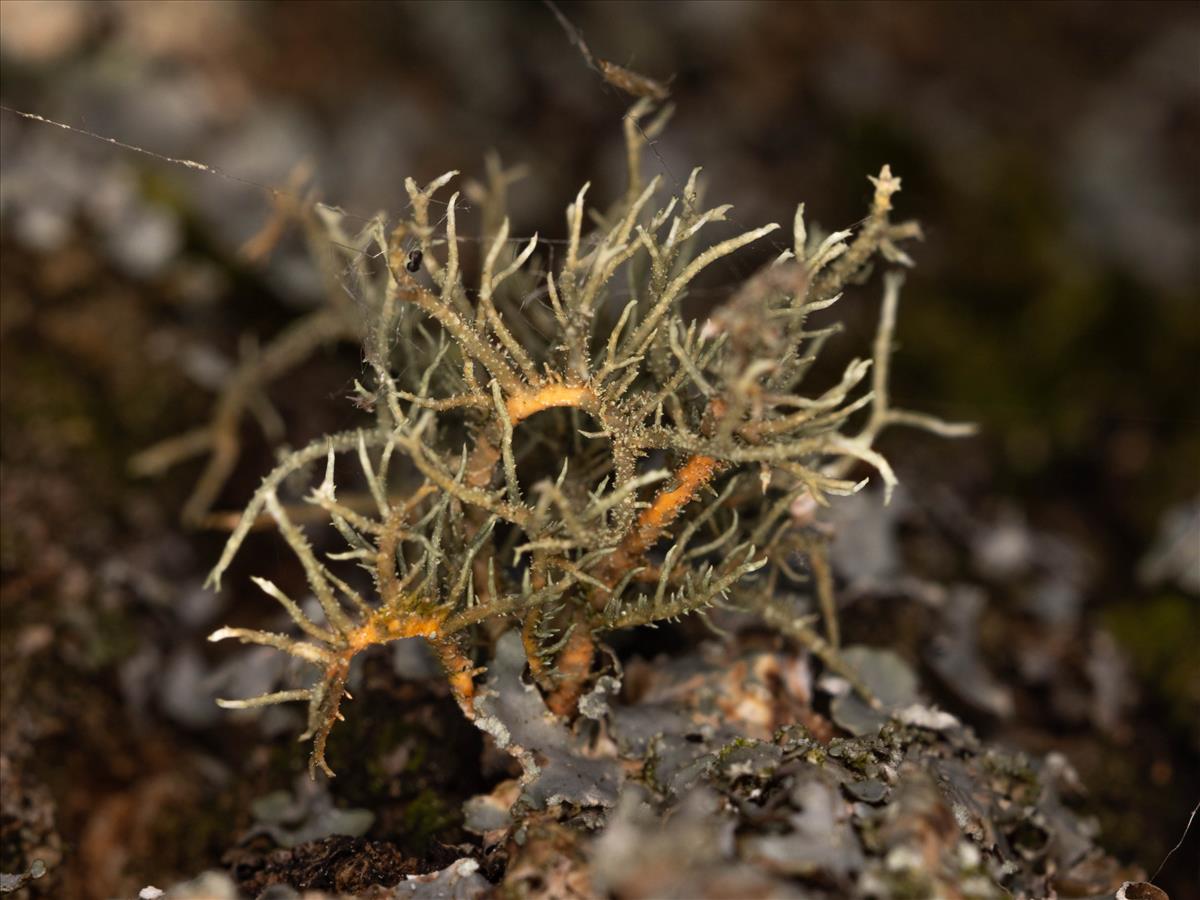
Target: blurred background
[(1049, 149)]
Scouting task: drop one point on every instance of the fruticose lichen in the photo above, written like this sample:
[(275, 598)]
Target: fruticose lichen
[(562, 448)]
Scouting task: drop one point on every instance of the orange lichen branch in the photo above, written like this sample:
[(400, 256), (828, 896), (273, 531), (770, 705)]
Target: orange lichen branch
[(460, 672), (385, 625), (691, 477), (523, 405), (485, 455)]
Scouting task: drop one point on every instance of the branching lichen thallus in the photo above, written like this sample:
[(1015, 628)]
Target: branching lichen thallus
[(687, 464)]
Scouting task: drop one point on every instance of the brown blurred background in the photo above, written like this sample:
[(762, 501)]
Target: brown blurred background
[(1050, 150)]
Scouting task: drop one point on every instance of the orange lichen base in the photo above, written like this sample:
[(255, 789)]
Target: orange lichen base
[(381, 627), (529, 638), (574, 664), (524, 405)]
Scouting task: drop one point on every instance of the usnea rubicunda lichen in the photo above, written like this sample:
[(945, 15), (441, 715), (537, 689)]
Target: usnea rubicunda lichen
[(545, 451)]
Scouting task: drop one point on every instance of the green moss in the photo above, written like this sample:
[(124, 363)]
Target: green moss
[(724, 754), (650, 773), (1161, 635), (912, 886), (187, 837), (425, 817), (855, 755), (109, 637)]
